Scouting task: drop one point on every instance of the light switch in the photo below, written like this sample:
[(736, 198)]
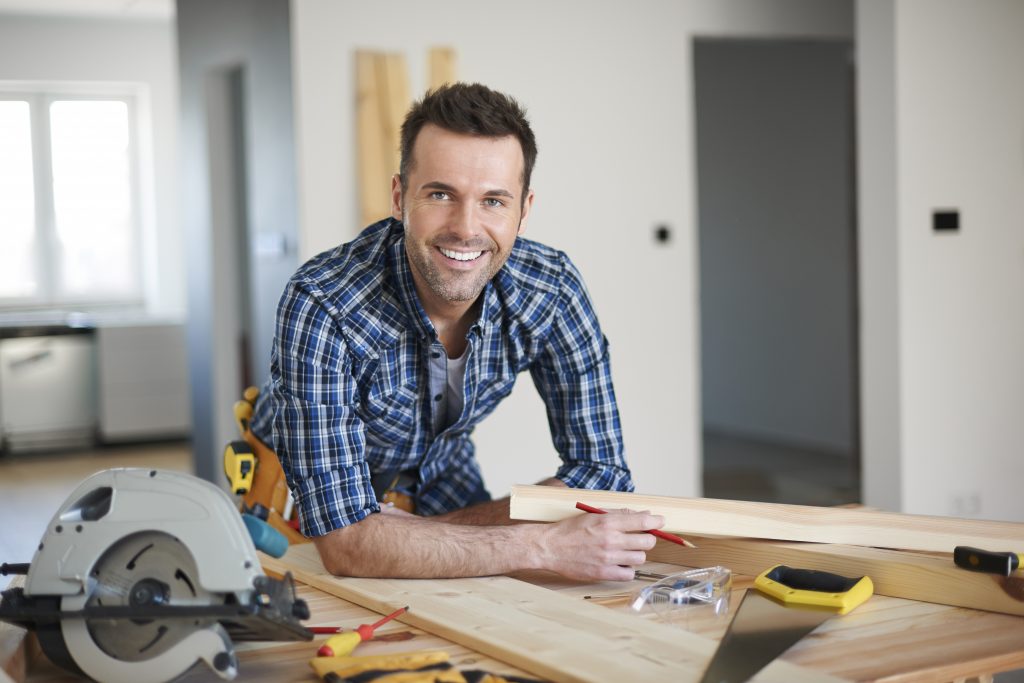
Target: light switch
[(946, 220)]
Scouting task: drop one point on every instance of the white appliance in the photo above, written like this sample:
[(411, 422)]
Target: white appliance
[(48, 390), (142, 370)]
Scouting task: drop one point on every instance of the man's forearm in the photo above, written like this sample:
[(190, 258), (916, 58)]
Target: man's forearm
[(400, 545), (405, 546), (492, 512)]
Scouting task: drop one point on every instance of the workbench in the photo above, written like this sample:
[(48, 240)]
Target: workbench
[(886, 639)]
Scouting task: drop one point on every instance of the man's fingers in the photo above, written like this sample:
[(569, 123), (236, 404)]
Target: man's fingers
[(630, 521), (638, 541), (616, 573)]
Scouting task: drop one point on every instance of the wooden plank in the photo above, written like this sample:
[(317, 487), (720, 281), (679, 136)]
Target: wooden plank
[(886, 639), (382, 99), (442, 66), (535, 629), (275, 662), (914, 576), (374, 178), (711, 517), (394, 105), (891, 639)]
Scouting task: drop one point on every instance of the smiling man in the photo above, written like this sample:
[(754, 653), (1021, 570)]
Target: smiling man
[(390, 350)]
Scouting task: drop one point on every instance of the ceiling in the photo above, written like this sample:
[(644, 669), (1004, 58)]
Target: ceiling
[(107, 9)]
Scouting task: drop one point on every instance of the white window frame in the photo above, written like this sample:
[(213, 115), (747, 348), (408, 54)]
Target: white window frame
[(40, 96)]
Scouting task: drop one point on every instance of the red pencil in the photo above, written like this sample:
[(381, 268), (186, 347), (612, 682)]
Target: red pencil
[(654, 532)]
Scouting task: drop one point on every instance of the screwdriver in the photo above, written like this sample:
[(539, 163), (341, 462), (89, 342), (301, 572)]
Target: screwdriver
[(342, 644)]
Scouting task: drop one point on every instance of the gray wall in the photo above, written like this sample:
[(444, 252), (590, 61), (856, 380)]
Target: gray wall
[(774, 123), (213, 39)]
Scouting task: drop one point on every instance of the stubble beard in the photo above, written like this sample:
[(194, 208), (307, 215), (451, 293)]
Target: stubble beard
[(454, 286)]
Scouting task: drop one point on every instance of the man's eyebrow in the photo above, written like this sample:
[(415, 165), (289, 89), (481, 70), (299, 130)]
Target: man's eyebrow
[(438, 185)]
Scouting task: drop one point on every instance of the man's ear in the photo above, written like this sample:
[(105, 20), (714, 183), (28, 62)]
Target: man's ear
[(396, 197), (527, 206)]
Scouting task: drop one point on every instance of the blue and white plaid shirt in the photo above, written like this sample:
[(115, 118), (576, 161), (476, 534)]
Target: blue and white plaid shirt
[(348, 393)]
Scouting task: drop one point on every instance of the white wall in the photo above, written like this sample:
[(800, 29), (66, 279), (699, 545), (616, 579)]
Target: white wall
[(124, 51), (878, 255), (958, 118), (608, 86)]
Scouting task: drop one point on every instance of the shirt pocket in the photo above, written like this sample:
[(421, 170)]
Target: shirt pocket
[(390, 414), (491, 390)]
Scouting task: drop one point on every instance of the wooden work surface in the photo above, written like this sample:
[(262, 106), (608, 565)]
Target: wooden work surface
[(886, 639)]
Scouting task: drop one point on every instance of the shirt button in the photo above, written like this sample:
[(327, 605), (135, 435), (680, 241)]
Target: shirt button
[(438, 397), (435, 354)]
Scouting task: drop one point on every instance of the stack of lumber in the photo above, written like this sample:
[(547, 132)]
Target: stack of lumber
[(848, 541)]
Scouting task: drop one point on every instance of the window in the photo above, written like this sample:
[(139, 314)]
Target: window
[(69, 208)]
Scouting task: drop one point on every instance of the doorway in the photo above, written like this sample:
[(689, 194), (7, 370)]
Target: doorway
[(778, 270)]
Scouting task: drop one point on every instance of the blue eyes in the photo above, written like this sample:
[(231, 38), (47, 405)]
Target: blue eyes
[(439, 196)]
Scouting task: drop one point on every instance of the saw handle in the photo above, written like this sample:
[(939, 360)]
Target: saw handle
[(814, 588), (987, 561)]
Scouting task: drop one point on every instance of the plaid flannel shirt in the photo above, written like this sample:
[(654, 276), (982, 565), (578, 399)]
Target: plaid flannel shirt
[(348, 397)]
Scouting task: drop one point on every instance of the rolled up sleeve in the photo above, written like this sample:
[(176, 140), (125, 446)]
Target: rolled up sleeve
[(316, 431), (573, 376)]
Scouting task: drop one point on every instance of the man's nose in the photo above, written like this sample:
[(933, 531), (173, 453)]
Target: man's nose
[(465, 220)]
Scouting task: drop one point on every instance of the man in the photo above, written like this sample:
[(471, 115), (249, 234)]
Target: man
[(391, 348)]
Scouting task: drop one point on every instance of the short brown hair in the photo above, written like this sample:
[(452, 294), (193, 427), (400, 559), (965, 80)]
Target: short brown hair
[(473, 109)]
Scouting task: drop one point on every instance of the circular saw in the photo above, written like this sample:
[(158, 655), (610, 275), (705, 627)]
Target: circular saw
[(141, 574)]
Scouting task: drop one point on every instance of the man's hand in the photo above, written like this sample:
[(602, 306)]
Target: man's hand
[(598, 547), (585, 547)]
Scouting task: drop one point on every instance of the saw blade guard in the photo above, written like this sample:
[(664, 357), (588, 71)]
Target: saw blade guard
[(143, 573), (114, 504), (147, 569)]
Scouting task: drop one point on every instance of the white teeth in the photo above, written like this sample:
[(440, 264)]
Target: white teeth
[(460, 255)]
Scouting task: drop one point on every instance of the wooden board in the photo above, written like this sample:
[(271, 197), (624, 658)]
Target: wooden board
[(711, 517), (885, 639), (895, 573), (382, 99), (547, 634), (441, 66), (391, 72), (374, 193)]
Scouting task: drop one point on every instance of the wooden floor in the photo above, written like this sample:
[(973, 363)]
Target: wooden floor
[(33, 486)]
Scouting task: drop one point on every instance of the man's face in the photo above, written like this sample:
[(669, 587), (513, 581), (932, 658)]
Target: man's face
[(462, 210)]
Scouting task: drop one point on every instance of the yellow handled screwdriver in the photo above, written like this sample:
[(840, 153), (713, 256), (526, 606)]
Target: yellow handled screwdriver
[(343, 644)]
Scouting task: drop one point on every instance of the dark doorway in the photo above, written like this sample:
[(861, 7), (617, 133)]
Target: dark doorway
[(778, 271)]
